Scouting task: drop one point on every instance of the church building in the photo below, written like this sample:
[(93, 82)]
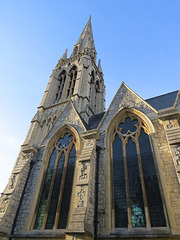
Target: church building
[(84, 172)]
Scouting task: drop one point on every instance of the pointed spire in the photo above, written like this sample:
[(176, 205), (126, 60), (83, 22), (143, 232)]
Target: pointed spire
[(99, 66), (64, 56), (87, 30), (88, 44), (85, 40)]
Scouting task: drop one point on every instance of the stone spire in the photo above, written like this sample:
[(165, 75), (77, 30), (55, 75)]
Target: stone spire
[(85, 41)]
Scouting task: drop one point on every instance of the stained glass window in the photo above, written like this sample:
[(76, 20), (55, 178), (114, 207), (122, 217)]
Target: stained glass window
[(134, 176), (120, 204), (56, 193)]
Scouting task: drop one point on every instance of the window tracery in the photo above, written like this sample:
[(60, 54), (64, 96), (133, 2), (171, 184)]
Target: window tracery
[(61, 80), (137, 198), (72, 80), (55, 198)]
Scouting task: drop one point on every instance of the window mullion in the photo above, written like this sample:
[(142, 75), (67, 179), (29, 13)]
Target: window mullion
[(50, 193), (147, 214), (127, 185), (61, 188)]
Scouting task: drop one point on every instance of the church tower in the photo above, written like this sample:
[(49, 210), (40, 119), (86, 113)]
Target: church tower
[(53, 166), (78, 79)]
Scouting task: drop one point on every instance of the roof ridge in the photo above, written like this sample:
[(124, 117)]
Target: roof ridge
[(162, 95)]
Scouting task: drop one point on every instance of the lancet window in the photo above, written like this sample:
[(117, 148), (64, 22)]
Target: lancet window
[(137, 198), (72, 80), (55, 198), (61, 80), (92, 90)]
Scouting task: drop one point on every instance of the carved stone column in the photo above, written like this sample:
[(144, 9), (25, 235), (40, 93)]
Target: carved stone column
[(82, 219)]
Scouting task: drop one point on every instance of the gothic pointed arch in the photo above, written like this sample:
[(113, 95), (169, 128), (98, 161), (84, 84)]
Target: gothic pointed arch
[(136, 199), (72, 75), (61, 84), (55, 197)]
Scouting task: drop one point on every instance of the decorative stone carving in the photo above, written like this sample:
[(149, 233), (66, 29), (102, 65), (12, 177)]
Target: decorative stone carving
[(12, 181), (177, 152), (25, 156), (3, 203), (89, 143), (81, 195), (176, 158), (169, 124), (83, 171), (22, 158)]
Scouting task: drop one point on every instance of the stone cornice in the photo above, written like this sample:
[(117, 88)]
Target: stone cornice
[(91, 134), (168, 113)]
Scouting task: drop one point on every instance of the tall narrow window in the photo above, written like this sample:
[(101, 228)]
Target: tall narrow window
[(92, 91), (135, 181), (72, 80), (62, 79), (56, 193)]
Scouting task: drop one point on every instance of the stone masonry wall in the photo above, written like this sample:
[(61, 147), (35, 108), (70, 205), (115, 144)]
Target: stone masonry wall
[(168, 169), (25, 211), (102, 181)]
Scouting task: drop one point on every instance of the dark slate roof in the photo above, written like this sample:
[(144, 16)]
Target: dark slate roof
[(159, 102), (84, 122), (163, 101), (95, 119)]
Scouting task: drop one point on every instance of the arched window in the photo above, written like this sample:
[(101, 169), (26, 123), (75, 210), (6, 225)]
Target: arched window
[(137, 198), (61, 79), (92, 90), (72, 80), (55, 199)]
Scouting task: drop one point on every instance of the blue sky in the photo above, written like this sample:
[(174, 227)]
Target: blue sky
[(138, 42)]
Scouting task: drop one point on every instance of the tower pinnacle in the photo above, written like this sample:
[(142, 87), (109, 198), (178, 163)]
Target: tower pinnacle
[(85, 41), (64, 56)]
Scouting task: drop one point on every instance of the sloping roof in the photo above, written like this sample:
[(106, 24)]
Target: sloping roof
[(160, 102), (95, 119), (84, 122), (163, 101)]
